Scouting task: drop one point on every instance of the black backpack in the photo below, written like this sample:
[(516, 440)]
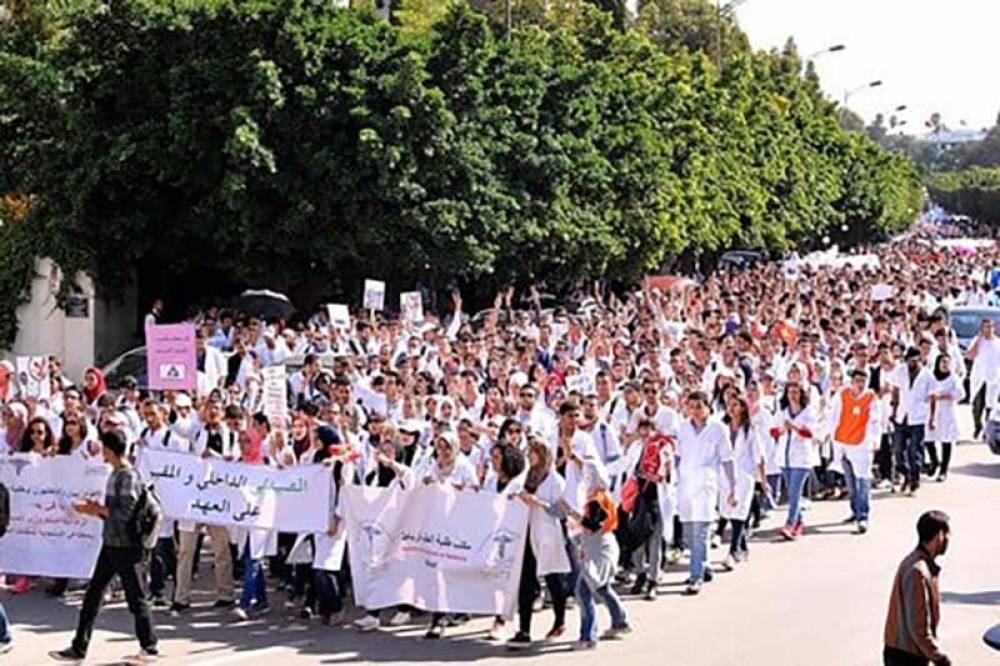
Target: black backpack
[(147, 518), (4, 509)]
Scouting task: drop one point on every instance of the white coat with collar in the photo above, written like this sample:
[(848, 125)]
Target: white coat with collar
[(545, 531), (798, 451), (747, 456)]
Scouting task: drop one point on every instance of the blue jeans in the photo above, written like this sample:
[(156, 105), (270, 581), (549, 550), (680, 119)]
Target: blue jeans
[(795, 481), (587, 599), (254, 588), (861, 490), (774, 483), (5, 635), (909, 441), (696, 535)]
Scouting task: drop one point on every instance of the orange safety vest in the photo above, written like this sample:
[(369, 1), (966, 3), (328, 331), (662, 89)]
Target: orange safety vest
[(854, 415)]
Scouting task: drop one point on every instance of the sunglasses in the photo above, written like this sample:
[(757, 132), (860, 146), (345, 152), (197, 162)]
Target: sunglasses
[(38, 431)]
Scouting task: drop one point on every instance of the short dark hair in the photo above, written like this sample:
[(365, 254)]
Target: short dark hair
[(931, 523), (113, 440)]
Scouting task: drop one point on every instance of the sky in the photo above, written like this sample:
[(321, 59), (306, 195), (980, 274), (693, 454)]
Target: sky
[(930, 56)]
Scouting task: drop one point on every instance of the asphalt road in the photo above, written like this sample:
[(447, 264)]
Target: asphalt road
[(818, 601)]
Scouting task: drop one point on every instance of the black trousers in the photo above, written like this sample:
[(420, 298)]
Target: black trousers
[(942, 465), (125, 563), (329, 598), (528, 590), (979, 409), (894, 657), (162, 565)]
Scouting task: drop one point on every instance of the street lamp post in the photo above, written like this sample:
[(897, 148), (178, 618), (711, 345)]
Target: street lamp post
[(848, 93), (836, 48)]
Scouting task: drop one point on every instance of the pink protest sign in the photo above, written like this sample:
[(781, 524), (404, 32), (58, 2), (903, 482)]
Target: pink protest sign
[(170, 353)]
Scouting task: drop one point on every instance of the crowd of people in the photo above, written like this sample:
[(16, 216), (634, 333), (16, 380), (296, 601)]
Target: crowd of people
[(690, 415)]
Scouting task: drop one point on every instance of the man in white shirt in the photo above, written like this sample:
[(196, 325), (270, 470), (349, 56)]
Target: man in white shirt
[(702, 449), (912, 385), (984, 352), (532, 416), (214, 441)]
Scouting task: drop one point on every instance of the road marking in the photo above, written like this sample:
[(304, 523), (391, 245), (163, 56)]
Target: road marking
[(254, 654)]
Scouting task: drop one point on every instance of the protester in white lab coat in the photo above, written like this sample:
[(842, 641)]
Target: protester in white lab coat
[(794, 431), (702, 449), (545, 548), (748, 467), (254, 546), (942, 428), (984, 352)]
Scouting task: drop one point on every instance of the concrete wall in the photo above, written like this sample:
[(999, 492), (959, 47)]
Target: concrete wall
[(43, 327)]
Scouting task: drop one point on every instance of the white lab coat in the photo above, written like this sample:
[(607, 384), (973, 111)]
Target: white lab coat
[(747, 456), (946, 411), (544, 530), (797, 451), (700, 454)]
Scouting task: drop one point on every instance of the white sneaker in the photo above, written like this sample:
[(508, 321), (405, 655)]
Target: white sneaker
[(674, 556), (716, 541), (614, 633), (584, 645), (240, 615), (729, 563), (367, 623), (399, 618)]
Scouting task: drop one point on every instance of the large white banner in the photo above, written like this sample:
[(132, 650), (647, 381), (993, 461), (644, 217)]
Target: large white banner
[(435, 548), (239, 495), (46, 536)]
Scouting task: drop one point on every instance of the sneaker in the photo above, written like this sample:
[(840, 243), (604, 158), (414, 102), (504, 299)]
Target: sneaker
[(742, 556), (223, 603), (615, 633), (639, 585), (800, 529), (399, 618), (942, 478), (159, 602), (584, 645), (787, 533), (709, 575), (305, 613), (555, 633), (151, 652), (729, 563), (497, 631), (240, 614), (6, 647), (693, 587), (69, 654), (674, 556), (434, 633), (849, 520), (520, 641), (862, 526), (716, 541), (178, 608), (367, 623), (650, 594)]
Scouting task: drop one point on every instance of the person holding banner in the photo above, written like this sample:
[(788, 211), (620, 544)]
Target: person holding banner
[(254, 546), (121, 554), (544, 548), (214, 440)]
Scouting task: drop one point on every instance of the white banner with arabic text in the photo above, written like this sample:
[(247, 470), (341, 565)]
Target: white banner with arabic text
[(46, 536), (235, 494), (435, 548)]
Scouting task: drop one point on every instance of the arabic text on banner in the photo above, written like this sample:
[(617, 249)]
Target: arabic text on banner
[(46, 536), (239, 495), (435, 548)]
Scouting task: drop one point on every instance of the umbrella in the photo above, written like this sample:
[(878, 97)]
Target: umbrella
[(264, 303)]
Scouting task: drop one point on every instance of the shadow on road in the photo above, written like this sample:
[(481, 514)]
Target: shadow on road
[(979, 469), (989, 598)]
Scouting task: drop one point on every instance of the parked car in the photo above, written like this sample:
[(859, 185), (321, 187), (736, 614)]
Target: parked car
[(740, 259), (132, 362), (965, 322)]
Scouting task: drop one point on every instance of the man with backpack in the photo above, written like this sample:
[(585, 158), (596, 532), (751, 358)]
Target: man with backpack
[(122, 552)]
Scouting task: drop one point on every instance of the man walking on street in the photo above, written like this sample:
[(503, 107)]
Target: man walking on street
[(121, 554), (911, 391), (915, 605)]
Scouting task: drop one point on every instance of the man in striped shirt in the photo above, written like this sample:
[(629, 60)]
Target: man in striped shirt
[(915, 605)]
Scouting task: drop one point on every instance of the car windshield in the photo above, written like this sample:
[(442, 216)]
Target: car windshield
[(133, 364), (966, 324)]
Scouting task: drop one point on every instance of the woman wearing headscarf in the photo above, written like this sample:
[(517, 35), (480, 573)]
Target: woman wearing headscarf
[(15, 420), (943, 424), (94, 386), (544, 548)]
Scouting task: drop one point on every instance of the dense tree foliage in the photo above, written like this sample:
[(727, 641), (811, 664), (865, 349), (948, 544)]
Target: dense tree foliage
[(974, 192), (291, 143)]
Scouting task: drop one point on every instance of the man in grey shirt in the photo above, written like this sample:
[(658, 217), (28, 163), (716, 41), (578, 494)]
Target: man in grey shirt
[(121, 554)]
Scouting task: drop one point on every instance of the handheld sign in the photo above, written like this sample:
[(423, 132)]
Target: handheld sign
[(374, 296), (411, 304)]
